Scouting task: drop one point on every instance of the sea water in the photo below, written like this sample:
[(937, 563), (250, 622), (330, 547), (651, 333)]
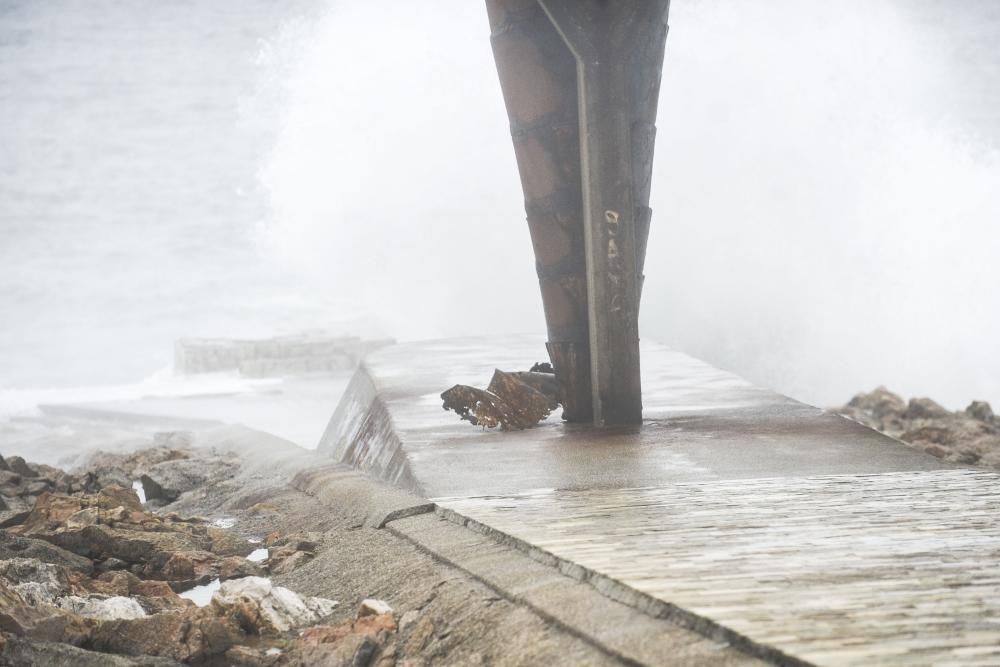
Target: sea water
[(824, 189)]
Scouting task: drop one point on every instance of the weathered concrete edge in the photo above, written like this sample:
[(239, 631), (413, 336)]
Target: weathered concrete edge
[(340, 484), (619, 592), (516, 599), (362, 434), (383, 504)]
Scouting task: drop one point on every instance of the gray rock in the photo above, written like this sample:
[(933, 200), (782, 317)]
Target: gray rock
[(155, 492), (373, 607), (102, 608), (12, 517), (880, 403), (37, 487), (278, 609), (20, 466), (169, 479), (19, 652), (112, 564), (36, 582), (969, 437), (10, 483), (925, 408), (980, 410)]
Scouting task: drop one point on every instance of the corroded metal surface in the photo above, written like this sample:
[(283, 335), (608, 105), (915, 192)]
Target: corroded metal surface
[(512, 401), (580, 80), (891, 568), (538, 79)]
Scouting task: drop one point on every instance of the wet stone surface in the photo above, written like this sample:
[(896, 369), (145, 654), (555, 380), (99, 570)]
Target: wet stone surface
[(891, 568)]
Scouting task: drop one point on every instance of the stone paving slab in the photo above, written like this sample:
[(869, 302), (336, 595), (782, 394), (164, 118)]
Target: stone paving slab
[(890, 568)]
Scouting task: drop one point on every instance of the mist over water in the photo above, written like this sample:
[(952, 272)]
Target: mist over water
[(825, 188), (825, 216), (824, 213), (392, 180)]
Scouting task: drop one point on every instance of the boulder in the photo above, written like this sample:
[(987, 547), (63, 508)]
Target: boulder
[(350, 651), (39, 621), (263, 608), (298, 541), (152, 596), (102, 608), (14, 546), (137, 547), (112, 524), (186, 568), (980, 410), (280, 561), (193, 635), (153, 491), (169, 479), (879, 409), (227, 543), (10, 483), (19, 652), (235, 567), (36, 582), (13, 517), (20, 466), (375, 626), (373, 607), (925, 408)]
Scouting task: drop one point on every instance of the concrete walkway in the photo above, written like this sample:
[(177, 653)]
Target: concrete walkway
[(794, 534)]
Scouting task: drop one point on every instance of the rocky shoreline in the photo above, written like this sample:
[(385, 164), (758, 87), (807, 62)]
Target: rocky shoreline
[(242, 542), (91, 575), (970, 436)]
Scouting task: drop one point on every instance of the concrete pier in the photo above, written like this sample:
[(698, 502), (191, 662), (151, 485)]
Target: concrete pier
[(791, 533)]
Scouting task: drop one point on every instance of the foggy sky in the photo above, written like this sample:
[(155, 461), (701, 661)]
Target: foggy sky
[(824, 191)]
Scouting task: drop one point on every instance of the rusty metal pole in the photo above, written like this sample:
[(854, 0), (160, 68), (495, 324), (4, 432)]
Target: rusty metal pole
[(538, 79), (616, 48)]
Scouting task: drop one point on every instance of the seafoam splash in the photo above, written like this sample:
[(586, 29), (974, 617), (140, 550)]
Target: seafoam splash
[(823, 219), (162, 384)]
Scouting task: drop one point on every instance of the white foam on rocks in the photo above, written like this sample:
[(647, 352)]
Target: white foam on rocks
[(258, 555), (140, 491), (202, 595)]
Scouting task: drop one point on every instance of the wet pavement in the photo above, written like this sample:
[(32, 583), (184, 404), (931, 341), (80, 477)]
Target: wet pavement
[(701, 424), (800, 534)]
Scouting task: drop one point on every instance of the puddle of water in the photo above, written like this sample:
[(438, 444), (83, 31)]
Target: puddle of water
[(139, 491), (258, 555), (224, 523), (255, 540), (202, 595)]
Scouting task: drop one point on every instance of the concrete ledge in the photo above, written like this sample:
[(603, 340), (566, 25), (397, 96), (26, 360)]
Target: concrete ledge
[(340, 485), (701, 424), (615, 591), (792, 534), (620, 630)]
